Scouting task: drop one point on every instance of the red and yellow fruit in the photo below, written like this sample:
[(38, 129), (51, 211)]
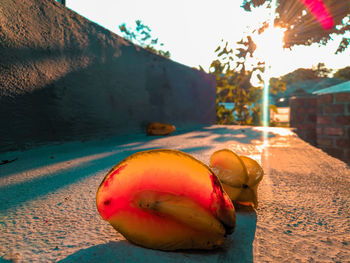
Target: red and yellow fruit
[(166, 199), (239, 175)]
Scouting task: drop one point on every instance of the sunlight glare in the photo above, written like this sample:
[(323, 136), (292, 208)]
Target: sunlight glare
[(269, 50), (275, 130), (269, 44)]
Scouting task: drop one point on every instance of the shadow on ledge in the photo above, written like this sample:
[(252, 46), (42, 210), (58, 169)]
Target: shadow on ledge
[(237, 248)]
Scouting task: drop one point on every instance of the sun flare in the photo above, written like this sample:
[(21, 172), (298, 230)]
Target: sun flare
[(269, 44)]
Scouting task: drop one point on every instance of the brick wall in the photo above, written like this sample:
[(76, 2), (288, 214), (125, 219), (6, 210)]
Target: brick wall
[(323, 121), (303, 117), (333, 124)]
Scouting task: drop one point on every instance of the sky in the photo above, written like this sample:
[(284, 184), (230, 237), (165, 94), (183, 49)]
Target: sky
[(192, 29)]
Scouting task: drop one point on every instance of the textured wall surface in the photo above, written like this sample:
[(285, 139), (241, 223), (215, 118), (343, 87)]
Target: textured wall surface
[(303, 117), (63, 77), (324, 121), (333, 124)]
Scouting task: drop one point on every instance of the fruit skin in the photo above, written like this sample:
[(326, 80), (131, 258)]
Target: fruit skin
[(228, 163), (166, 199), (249, 195), (158, 128), (231, 171), (239, 175)]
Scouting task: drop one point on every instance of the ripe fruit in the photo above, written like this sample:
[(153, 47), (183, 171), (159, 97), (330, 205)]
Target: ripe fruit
[(157, 128), (240, 176), (166, 199)]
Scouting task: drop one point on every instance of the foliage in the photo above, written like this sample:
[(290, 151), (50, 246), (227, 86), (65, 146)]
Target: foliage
[(299, 75), (302, 27), (233, 84), (343, 73), (321, 70), (141, 35), (294, 80), (277, 85)]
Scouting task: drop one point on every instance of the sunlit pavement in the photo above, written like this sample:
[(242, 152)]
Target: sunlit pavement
[(48, 213)]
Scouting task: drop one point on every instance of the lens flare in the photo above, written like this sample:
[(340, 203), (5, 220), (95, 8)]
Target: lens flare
[(267, 76), (320, 12)]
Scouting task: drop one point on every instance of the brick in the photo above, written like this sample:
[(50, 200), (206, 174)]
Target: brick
[(292, 102), (336, 131), (335, 108), (299, 102), (342, 97), (343, 143), (324, 142), (308, 135), (312, 118), (293, 105), (320, 109), (299, 127), (292, 123), (319, 131), (306, 126), (299, 118), (347, 156), (338, 153), (291, 119), (300, 110), (310, 139), (326, 98), (344, 120), (312, 102), (324, 120), (311, 110)]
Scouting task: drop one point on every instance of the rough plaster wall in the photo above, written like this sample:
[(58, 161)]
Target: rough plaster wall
[(63, 77)]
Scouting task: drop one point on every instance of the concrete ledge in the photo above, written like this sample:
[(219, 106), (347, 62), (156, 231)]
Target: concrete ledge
[(48, 211)]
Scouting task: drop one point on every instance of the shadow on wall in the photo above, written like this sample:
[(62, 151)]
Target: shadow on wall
[(77, 105), (63, 77), (237, 248), (104, 98)]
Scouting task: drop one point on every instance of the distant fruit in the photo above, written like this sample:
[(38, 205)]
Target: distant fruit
[(158, 128), (239, 175), (166, 199)]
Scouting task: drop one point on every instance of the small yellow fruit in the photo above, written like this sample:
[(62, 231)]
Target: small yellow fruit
[(240, 176), (228, 163)]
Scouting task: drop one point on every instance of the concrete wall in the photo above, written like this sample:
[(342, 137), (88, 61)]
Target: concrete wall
[(324, 121), (63, 77)]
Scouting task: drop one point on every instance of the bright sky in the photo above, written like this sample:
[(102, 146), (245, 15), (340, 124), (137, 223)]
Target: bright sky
[(192, 29)]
